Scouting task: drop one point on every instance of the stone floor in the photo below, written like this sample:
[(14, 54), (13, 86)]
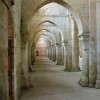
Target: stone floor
[(51, 82)]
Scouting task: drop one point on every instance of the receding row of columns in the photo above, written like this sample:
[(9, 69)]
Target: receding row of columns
[(67, 52), (70, 58)]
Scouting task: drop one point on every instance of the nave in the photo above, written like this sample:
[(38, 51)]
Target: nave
[(51, 82), (67, 31)]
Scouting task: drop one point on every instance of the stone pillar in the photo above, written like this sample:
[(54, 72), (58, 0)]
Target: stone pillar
[(50, 52), (75, 47), (3, 52), (84, 40), (65, 55), (69, 46), (47, 52), (69, 57), (24, 57), (32, 56), (53, 53), (98, 44), (26, 62), (92, 42), (17, 49), (29, 56), (62, 54), (58, 54)]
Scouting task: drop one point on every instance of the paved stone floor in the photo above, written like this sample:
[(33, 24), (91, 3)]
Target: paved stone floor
[(51, 82)]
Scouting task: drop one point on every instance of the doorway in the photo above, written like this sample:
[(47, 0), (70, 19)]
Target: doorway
[(37, 53)]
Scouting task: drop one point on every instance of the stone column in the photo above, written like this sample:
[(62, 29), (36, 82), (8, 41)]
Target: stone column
[(25, 79), (75, 47), (3, 52), (50, 52), (53, 53), (32, 56), (24, 57), (69, 46), (84, 40), (98, 44), (58, 54), (62, 54), (29, 56), (47, 52), (66, 55), (17, 50), (92, 42)]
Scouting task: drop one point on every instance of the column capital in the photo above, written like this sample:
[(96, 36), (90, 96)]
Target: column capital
[(69, 14), (72, 17), (85, 35), (58, 44), (65, 43), (84, 40), (52, 45)]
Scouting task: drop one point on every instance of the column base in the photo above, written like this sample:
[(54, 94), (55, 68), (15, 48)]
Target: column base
[(92, 81), (53, 60), (66, 69), (30, 69), (91, 85), (97, 84), (77, 69), (27, 86), (62, 63), (50, 58), (57, 64), (83, 83), (26, 83)]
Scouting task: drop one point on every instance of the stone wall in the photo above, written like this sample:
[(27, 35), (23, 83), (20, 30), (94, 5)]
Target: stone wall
[(16, 15), (3, 52)]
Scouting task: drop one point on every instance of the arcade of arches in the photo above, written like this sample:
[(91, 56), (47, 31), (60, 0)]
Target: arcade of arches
[(49, 43)]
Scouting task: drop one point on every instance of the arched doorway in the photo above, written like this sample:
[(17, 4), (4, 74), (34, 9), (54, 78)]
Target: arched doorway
[(37, 53)]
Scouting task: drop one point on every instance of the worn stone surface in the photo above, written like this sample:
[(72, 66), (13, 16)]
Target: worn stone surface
[(31, 20), (3, 52), (98, 44), (51, 82)]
